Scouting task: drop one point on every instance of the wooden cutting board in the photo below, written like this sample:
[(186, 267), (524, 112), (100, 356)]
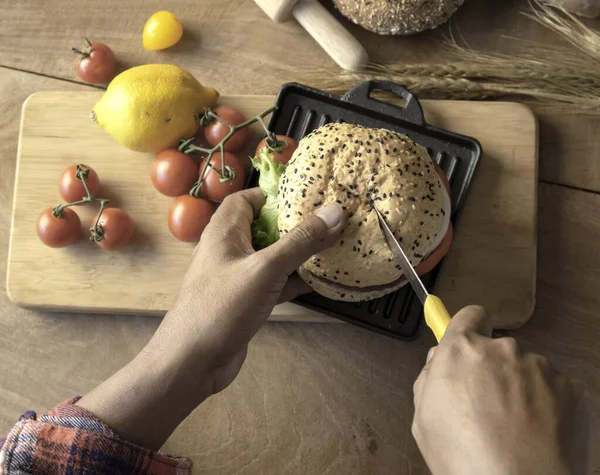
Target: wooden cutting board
[(492, 261)]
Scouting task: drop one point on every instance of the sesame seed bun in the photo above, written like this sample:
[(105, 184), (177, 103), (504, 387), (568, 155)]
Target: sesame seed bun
[(357, 167), (398, 17)]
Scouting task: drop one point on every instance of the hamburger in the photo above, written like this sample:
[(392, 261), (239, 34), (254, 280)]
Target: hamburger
[(359, 168)]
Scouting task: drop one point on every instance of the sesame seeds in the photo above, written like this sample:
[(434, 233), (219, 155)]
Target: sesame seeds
[(374, 170)]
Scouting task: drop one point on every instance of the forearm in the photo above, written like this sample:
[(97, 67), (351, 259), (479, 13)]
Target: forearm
[(146, 400)]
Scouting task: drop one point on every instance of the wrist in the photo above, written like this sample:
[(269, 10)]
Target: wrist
[(146, 400), (185, 377)]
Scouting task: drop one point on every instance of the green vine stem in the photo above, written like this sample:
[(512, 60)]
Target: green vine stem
[(97, 233), (226, 173), (86, 51)]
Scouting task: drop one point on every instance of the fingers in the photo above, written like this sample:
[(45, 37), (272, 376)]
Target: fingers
[(233, 219), (430, 354), (315, 234), (472, 319), (295, 287), (243, 206), (420, 382)]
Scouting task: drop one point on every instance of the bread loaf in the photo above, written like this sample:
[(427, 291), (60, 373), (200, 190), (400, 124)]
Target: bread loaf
[(398, 17)]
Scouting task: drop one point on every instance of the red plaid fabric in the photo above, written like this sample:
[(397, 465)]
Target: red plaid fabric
[(69, 439)]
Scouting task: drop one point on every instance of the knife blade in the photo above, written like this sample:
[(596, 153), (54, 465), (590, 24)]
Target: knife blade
[(436, 314)]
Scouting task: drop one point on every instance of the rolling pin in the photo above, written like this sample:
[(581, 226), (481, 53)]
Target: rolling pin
[(343, 48)]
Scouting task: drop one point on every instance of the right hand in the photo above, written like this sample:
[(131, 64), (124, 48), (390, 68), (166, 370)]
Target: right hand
[(482, 406)]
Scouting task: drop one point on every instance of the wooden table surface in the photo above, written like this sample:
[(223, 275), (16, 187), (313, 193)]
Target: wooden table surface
[(311, 398)]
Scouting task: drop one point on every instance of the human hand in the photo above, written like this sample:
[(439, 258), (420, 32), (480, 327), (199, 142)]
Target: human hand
[(482, 406), (227, 294), (230, 290)]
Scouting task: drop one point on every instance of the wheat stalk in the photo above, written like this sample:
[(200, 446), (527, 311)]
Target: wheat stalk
[(560, 77), (567, 25)]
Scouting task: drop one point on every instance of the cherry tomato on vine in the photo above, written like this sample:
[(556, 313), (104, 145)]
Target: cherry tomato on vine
[(71, 188), (173, 173), (96, 63), (116, 229), (58, 231), (212, 187), (188, 217), (288, 149), (217, 130)]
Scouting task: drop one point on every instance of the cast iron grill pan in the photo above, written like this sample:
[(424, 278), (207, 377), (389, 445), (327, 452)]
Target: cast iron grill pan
[(301, 109)]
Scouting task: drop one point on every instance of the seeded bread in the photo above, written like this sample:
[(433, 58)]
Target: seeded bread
[(398, 17), (357, 166)]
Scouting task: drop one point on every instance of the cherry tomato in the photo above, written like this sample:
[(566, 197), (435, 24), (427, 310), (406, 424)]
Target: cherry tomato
[(58, 231), (212, 187), (188, 216), (117, 229), (288, 149), (217, 130), (161, 31), (96, 63), (173, 173), (71, 188)]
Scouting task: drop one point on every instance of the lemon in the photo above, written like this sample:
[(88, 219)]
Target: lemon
[(149, 108), (161, 31)]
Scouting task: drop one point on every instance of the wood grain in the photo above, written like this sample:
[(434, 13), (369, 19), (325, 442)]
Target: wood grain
[(492, 259), (331, 35), (37, 35), (311, 399), (256, 56)]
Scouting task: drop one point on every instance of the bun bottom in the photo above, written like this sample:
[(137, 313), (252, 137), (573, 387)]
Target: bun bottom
[(343, 293)]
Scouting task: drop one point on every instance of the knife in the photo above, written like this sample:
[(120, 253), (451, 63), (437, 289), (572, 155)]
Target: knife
[(436, 315)]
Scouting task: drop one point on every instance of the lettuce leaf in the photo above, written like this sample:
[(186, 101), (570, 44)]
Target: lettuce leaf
[(264, 228)]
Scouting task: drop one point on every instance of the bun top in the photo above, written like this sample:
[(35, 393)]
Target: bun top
[(398, 17), (357, 167)]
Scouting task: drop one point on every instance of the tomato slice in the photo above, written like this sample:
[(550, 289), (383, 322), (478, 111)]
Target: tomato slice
[(437, 255), (439, 252)]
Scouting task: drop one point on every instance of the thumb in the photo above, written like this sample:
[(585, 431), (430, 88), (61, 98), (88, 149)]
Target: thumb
[(315, 234)]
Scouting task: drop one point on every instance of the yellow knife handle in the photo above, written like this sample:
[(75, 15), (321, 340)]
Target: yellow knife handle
[(436, 316)]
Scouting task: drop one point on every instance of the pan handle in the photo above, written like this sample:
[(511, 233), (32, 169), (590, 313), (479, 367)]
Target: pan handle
[(361, 95)]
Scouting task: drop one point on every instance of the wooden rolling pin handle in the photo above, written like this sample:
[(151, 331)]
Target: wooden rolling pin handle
[(278, 10), (343, 48)]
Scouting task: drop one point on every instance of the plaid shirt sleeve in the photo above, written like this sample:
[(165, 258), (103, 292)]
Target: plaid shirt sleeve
[(69, 439)]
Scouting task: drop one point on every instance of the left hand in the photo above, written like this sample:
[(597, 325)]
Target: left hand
[(228, 293), (230, 290)]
